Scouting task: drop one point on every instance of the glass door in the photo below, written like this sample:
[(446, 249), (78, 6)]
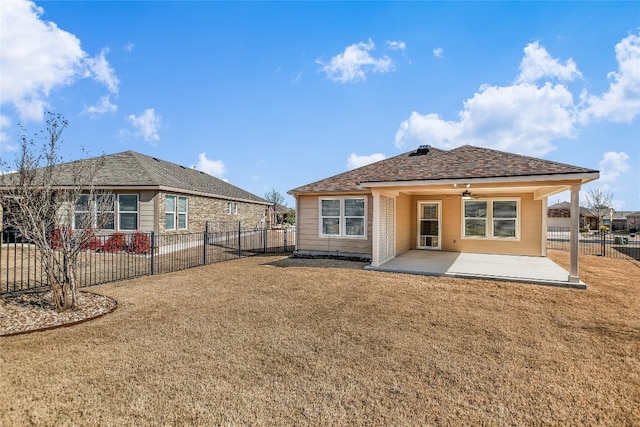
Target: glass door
[(428, 225)]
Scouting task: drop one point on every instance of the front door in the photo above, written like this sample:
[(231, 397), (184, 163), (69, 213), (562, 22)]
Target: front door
[(429, 225)]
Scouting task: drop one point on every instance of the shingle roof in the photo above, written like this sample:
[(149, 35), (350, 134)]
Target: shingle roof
[(464, 162), (567, 206), (131, 169)]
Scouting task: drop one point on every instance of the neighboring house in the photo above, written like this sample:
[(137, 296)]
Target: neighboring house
[(633, 222), (468, 199), (622, 220), (558, 215), (279, 214), (150, 194)]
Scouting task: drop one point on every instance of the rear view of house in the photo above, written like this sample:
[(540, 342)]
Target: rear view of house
[(468, 199)]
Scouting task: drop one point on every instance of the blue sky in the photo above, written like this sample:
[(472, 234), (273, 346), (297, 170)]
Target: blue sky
[(274, 95)]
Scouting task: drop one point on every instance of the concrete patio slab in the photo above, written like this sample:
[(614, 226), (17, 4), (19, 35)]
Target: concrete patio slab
[(512, 268)]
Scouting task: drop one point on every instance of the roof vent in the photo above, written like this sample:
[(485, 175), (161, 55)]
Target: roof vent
[(423, 149)]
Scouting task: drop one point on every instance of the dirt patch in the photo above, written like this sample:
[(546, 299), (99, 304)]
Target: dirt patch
[(35, 311)]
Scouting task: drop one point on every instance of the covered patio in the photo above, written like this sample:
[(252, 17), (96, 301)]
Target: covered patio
[(512, 268)]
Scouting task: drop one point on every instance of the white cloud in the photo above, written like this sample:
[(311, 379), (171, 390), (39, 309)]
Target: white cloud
[(355, 161), (5, 142), (538, 64), (212, 167), (37, 56), (354, 63), (529, 115), (523, 118), (438, 52), (621, 103), (147, 125), (103, 71), (103, 106), (396, 45), (129, 47), (613, 165)]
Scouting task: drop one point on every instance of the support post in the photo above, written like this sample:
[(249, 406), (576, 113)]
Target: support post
[(574, 276)]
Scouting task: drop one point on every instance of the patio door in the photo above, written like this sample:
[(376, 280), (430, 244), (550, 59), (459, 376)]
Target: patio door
[(429, 225)]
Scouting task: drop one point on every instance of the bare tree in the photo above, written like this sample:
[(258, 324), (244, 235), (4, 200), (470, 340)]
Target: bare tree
[(274, 197), (598, 202), (277, 201), (55, 206)]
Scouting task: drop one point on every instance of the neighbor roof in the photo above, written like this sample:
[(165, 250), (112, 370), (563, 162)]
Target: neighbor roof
[(130, 169), (567, 206), (464, 162)]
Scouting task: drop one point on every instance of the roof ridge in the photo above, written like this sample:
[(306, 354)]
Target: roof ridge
[(136, 156), (526, 156)]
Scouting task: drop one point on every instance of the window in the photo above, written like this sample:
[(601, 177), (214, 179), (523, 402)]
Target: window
[(99, 212), (232, 208), (183, 207), (343, 217), (82, 213), (475, 218), (128, 211), (175, 212), (105, 206), (505, 218), (170, 212), (491, 218)]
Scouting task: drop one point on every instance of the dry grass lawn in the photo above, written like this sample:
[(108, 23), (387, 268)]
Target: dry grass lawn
[(275, 341)]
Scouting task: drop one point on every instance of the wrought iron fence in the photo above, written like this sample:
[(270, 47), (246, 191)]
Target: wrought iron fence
[(110, 258), (626, 246)]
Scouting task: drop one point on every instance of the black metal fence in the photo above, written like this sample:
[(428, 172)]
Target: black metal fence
[(110, 258), (614, 245)]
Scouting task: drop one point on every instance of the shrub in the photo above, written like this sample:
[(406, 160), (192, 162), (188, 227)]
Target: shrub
[(55, 238), (93, 244), (140, 243), (115, 243)]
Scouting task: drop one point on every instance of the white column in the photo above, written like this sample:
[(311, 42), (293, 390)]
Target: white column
[(574, 276), (545, 213), (296, 224)]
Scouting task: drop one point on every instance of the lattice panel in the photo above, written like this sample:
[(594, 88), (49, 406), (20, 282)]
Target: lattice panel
[(386, 232)]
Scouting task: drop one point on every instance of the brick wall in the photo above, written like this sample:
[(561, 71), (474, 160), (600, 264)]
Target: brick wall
[(203, 209)]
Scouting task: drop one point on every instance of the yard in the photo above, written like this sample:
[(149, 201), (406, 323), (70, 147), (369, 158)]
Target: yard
[(270, 340)]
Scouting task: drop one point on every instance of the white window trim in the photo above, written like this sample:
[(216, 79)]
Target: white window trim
[(116, 212), (173, 212), (119, 212), (232, 208), (185, 213), (489, 219), (176, 212), (342, 218), (94, 213)]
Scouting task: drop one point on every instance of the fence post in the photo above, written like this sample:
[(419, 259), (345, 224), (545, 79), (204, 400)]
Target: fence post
[(153, 251), (603, 248), (265, 235), (286, 245), (239, 240), (204, 249)]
